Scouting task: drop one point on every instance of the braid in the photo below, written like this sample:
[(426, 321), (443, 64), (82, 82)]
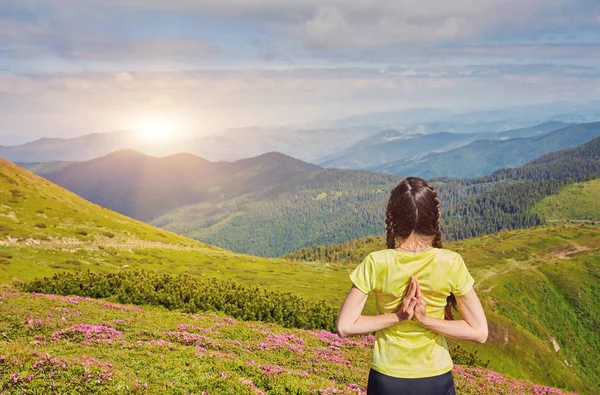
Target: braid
[(389, 231), (437, 243)]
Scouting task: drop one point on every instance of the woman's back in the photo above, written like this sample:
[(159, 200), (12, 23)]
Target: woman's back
[(417, 282), (408, 349)]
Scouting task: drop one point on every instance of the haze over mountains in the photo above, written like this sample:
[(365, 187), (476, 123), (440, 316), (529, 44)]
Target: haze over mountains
[(243, 205), (391, 145), (322, 143), (145, 187), (235, 144)]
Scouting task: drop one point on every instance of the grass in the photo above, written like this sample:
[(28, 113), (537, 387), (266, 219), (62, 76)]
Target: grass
[(54, 344), (576, 202), (536, 284)]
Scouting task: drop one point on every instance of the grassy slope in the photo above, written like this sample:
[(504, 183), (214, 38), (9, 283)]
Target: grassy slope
[(45, 167), (535, 284), (491, 258), (575, 202), (150, 350), (74, 234)]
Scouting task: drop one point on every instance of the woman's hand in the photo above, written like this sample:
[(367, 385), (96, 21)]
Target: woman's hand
[(472, 327), (420, 310), (407, 307)]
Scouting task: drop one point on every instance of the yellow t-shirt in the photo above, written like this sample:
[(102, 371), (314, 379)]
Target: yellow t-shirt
[(407, 349)]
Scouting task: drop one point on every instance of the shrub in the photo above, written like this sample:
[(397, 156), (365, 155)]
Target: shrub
[(191, 294)]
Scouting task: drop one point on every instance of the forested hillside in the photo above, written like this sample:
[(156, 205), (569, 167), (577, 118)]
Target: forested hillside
[(330, 205), (508, 204), (338, 205), (274, 204), (145, 187)]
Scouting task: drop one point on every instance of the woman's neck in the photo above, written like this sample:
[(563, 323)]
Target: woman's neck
[(414, 244)]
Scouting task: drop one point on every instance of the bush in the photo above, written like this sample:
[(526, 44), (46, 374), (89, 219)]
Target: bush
[(191, 294)]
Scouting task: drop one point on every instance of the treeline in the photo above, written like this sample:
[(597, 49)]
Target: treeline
[(350, 252), (331, 206), (191, 295), (508, 202)]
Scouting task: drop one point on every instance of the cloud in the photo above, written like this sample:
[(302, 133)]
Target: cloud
[(336, 24), (207, 101), (27, 40), (235, 63)]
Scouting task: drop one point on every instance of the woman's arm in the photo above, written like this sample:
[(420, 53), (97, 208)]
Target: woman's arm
[(472, 327), (350, 321)]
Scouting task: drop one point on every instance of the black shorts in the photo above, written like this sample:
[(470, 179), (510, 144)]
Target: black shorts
[(381, 384)]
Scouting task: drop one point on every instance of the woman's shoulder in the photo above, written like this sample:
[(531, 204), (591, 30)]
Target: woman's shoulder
[(384, 255), (444, 253)]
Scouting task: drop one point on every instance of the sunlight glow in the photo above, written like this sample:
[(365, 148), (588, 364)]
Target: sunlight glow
[(157, 129)]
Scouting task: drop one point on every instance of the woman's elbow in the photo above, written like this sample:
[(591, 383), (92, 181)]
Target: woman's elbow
[(482, 336), (341, 332)]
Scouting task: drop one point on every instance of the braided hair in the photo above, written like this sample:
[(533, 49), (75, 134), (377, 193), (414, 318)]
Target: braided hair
[(414, 206)]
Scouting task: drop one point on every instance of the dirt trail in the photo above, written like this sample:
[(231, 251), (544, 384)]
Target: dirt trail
[(564, 251), (73, 244)]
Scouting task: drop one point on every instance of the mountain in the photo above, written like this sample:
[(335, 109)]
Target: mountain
[(396, 146), (42, 168), (249, 207), (329, 205), (46, 230), (484, 156), (392, 145), (69, 149), (146, 187), (481, 120), (505, 199), (335, 205)]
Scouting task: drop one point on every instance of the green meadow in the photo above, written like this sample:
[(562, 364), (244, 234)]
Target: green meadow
[(539, 286)]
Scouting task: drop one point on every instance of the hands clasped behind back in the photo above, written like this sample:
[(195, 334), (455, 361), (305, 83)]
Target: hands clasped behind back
[(413, 305)]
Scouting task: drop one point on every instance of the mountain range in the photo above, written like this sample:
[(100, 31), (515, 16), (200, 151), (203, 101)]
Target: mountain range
[(231, 145), (319, 142), (145, 187), (247, 205), (484, 156), (390, 146)]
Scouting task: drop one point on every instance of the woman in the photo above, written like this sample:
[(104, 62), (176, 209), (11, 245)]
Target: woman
[(416, 283)]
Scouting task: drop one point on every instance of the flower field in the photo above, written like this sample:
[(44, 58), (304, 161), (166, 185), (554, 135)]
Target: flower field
[(71, 344)]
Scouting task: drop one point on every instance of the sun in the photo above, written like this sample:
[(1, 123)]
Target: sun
[(157, 129)]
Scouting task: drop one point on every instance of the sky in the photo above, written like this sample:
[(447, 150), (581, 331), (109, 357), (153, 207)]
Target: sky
[(72, 67)]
